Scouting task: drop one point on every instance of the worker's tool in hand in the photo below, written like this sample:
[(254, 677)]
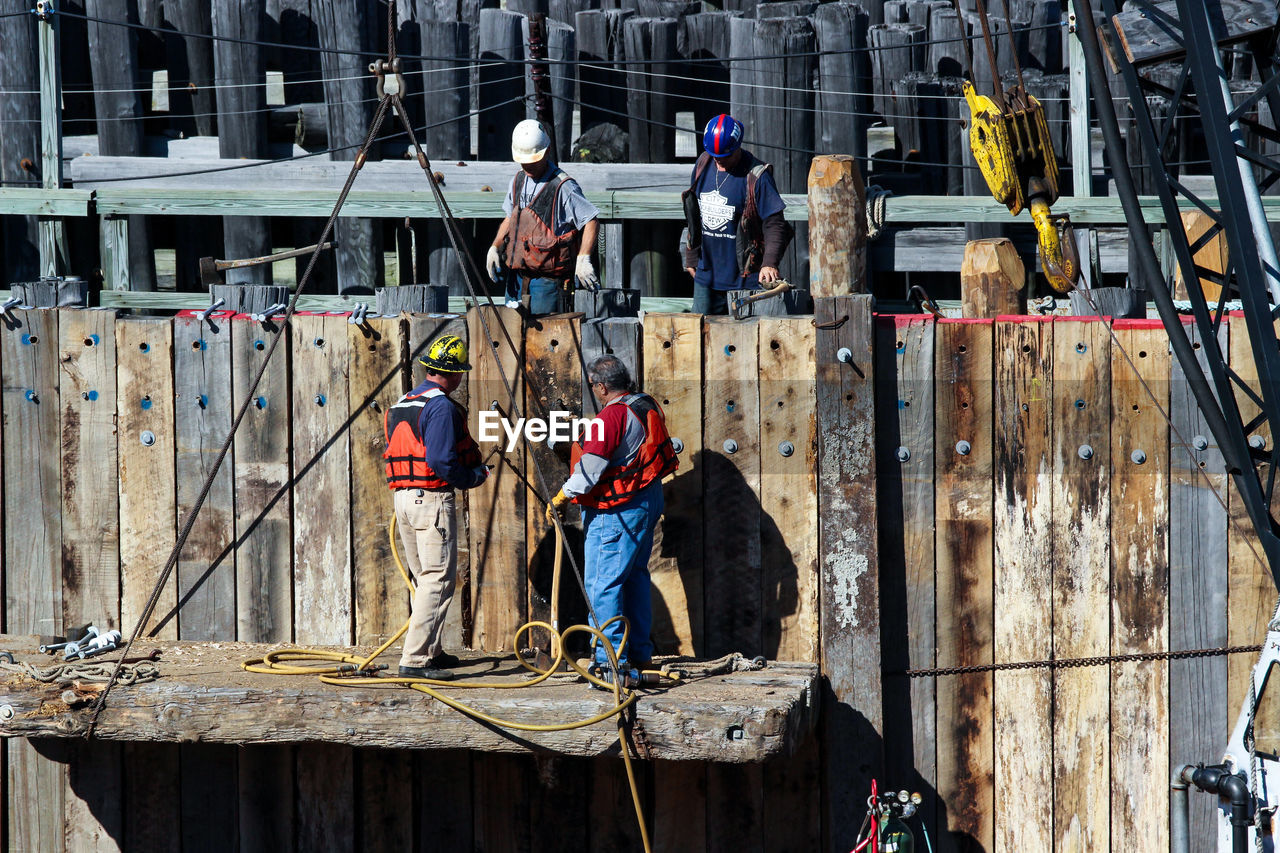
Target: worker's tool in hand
[(83, 635), (1010, 141), (739, 304)]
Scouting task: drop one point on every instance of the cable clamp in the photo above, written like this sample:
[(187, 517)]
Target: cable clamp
[(44, 9), (390, 80)]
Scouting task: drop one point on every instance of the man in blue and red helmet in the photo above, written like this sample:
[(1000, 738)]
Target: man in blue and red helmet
[(737, 234)]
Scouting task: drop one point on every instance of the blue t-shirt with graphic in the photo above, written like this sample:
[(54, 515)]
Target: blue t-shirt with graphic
[(721, 197)]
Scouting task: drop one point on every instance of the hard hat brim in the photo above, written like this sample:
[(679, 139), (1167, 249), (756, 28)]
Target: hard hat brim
[(525, 159), (462, 368)]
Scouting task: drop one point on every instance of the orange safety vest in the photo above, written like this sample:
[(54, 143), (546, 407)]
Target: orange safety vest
[(535, 250), (406, 457), (655, 459)]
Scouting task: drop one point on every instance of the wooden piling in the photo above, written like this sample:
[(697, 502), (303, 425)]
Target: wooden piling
[(673, 377), (992, 279), (837, 227), (446, 93), (844, 71), (1024, 432), (648, 105), (602, 93), (1139, 743), (964, 559), (852, 714), (242, 123), (349, 97), (19, 143), (502, 77)]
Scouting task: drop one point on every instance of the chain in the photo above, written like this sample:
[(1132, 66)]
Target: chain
[(1069, 663)]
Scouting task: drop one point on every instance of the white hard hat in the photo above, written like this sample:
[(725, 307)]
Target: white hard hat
[(529, 142)]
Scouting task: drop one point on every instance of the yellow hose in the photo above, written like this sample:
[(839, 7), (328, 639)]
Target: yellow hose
[(283, 662)]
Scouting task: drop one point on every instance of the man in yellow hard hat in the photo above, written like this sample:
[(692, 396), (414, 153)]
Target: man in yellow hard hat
[(549, 230), (430, 453)]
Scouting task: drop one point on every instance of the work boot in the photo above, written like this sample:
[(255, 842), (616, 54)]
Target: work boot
[(630, 677), (444, 660), (425, 672)]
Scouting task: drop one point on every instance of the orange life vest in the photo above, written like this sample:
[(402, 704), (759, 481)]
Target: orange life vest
[(655, 459), (406, 457), (535, 250)]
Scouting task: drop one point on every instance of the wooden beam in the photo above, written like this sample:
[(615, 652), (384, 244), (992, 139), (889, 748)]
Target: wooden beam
[(26, 201), (849, 602), (837, 227), (1140, 712), (992, 279), (206, 696), (1145, 37)]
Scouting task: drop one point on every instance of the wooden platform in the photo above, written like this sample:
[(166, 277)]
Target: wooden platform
[(203, 695)]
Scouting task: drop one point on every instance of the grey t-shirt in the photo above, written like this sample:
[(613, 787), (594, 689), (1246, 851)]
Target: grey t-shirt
[(572, 209)]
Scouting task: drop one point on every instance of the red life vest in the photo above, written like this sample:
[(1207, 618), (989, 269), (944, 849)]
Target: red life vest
[(655, 459), (407, 466), (534, 249)]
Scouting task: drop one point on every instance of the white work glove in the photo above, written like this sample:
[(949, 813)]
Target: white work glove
[(585, 274), (493, 263)]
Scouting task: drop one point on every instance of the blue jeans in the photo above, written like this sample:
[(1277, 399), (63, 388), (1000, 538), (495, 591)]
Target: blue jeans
[(708, 300), (618, 544), (544, 293)]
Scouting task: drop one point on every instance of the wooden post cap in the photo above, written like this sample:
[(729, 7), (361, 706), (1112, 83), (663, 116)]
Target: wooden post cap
[(837, 226)]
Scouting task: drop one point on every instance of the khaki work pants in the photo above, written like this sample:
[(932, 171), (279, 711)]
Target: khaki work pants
[(429, 533)]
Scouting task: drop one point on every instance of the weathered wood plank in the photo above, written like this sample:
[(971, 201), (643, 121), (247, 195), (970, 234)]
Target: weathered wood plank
[(1140, 582), (384, 798), (498, 548), (613, 814), (738, 826), (36, 786), (90, 521), (964, 542), (788, 489), (264, 606), (322, 559), (679, 805), (501, 779), (1199, 719), (553, 373), (560, 783), (94, 816), (1023, 357), (1251, 593), (451, 806), (206, 696), (152, 800), (792, 814), (853, 716), (376, 378), (1145, 38), (1081, 501), (202, 419), (905, 498), (731, 484), (208, 772), (266, 801), (148, 486), (326, 798), (673, 377)]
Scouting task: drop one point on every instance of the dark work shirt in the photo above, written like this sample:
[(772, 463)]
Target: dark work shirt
[(441, 426), (721, 199)]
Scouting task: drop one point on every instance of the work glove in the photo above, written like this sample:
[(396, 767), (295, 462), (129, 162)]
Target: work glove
[(481, 471), (585, 274), (557, 503), (493, 263)]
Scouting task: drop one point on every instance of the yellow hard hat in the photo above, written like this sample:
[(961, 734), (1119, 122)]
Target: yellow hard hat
[(447, 355)]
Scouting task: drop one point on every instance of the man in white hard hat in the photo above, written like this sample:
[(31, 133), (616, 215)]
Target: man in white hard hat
[(549, 229)]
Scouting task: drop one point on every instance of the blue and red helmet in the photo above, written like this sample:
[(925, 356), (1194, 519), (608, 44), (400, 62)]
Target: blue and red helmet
[(723, 135)]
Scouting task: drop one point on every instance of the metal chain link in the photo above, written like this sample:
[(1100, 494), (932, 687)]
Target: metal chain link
[(1068, 663)]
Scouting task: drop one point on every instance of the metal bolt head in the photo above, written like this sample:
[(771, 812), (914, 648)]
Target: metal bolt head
[(1257, 442), (963, 447), (1085, 452), (730, 446), (1200, 442), (844, 355), (903, 454), (1138, 457), (786, 448), (6, 712), (677, 444), (147, 438)]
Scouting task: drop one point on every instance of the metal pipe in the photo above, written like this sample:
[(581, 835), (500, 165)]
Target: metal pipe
[(1179, 816)]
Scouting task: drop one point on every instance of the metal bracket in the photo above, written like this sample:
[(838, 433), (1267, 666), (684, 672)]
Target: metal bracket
[(390, 80)]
